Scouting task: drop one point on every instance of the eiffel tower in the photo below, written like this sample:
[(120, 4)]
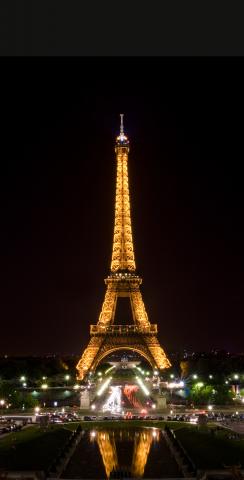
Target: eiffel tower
[(123, 281)]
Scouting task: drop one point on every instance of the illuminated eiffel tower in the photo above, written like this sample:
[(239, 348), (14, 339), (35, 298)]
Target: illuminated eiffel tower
[(123, 281)]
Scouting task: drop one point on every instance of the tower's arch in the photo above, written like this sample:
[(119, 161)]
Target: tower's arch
[(111, 350)]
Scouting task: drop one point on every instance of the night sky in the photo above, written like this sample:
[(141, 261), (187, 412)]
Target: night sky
[(184, 118)]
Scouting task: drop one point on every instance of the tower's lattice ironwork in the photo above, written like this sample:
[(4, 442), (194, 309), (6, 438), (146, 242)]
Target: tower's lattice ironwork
[(123, 281)]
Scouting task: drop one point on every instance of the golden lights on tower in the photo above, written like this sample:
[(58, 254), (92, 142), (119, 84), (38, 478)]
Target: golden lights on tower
[(122, 282)]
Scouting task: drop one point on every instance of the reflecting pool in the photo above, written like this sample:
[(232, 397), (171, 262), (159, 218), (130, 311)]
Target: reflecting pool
[(140, 452)]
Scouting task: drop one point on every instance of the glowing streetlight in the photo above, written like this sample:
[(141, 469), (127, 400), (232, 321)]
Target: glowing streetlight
[(22, 379), (199, 384), (210, 407), (67, 377), (172, 375), (210, 376), (37, 410), (44, 386), (93, 407), (153, 405), (195, 376), (2, 402), (236, 376), (99, 374)]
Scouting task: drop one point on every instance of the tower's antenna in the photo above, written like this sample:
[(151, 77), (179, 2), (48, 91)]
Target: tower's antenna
[(121, 124)]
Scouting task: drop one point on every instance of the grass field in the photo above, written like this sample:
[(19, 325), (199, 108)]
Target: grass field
[(130, 424), (210, 451), (33, 447)]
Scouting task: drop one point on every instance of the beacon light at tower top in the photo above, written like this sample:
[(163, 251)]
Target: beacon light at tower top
[(122, 137)]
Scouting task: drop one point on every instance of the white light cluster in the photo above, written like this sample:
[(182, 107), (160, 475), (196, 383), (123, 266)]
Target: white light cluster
[(113, 403), (176, 385)]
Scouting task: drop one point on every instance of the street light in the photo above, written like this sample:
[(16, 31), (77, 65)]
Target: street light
[(199, 384), (2, 402), (67, 377), (194, 376), (210, 407)]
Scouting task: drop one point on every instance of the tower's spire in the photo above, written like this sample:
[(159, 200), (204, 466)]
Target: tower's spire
[(123, 251), (122, 139), (121, 124)]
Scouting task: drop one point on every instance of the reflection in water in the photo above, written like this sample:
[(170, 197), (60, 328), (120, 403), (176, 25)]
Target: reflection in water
[(142, 442), (138, 451), (108, 452), (142, 445)]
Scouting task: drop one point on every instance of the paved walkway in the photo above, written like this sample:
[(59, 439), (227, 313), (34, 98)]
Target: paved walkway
[(237, 427)]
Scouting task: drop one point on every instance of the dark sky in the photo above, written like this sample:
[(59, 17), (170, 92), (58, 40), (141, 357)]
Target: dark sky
[(184, 119)]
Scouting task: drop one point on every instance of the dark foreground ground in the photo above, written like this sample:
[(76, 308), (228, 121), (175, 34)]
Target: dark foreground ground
[(35, 448)]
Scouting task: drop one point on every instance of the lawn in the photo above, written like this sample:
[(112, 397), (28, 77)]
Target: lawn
[(33, 448), (130, 423), (211, 451)]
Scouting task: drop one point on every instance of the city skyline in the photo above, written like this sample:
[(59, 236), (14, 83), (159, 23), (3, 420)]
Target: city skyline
[(57, 210)]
